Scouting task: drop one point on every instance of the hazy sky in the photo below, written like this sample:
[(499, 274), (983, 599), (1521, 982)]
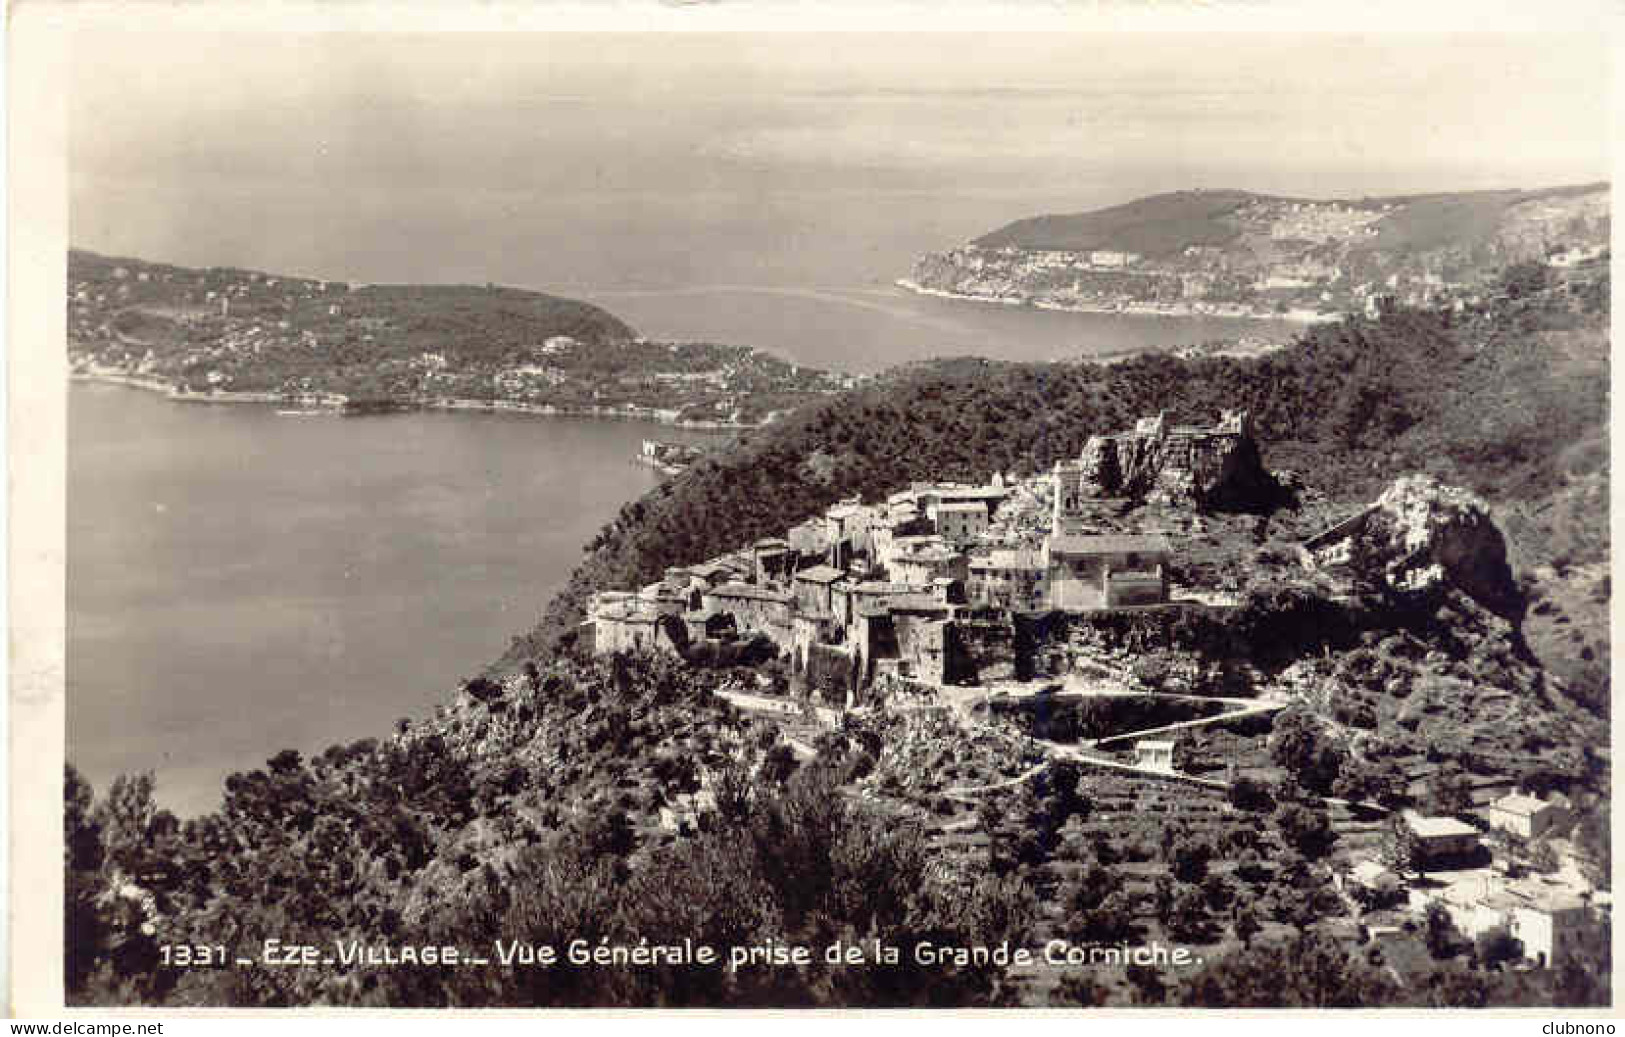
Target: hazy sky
[(470, 156)]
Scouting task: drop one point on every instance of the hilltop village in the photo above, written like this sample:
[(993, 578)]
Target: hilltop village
[(926, 586), (986, 610)]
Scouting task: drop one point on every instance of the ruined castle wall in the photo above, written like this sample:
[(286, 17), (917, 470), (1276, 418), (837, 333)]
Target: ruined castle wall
[(1218, 467), (983, 648), (830, 675), (921, 647)]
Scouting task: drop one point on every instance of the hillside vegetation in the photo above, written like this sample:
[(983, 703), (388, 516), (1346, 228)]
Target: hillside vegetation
[(521, 816), (1151, 226)]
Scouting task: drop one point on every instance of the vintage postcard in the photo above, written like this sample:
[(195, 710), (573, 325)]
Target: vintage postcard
[(777, 511)]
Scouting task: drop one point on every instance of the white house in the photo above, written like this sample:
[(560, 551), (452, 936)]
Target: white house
[(1524, 816), (1154, 755), (1552, 929)]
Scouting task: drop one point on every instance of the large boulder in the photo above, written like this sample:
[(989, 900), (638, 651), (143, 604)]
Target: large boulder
[(1422, 536)]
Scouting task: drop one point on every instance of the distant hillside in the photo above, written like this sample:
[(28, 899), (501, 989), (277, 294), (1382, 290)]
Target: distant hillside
[(1236, 253), (1151, 226), (472, 321), (1163, 223)]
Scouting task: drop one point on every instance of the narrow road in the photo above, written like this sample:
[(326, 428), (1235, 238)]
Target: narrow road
[(970, 791), (1255, 709)]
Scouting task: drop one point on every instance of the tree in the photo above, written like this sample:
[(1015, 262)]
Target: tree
[(1592, 837), (1439, 933), (1453, 986), (1217, 892), (1522, 280), (1400, 849), (1450, 791), (1112, 919), (84, 929), (483, 689), (1249, 794), (1189, 919), (1149, 988), (1191, 856), (125, 816), (1497, 945), (1306, 830), (1245, 925), (1300, 746), (779, 763), (1542, 858), (1163, 891), (1250, 868), (1310, 972)]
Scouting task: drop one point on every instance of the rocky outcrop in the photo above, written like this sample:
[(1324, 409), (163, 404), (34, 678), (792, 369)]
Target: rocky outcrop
[(1217, 468), (1422, 536)]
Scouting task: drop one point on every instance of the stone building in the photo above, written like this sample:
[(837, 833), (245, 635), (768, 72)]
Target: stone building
[(1554, 929), (848, 599), (960, 522), (755, 609), (812, 588), (1008, 578), (810, 539), (1088, 572), (630, 625), (908, 636), (774, 560), (709, 625), (847, 526), (922, 564), (1441, 838)]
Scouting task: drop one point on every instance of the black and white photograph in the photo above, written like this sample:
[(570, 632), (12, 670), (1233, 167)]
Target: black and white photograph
[(832, 518)]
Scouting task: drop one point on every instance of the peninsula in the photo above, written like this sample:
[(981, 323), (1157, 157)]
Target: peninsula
[(227, 335), (1230, 253)]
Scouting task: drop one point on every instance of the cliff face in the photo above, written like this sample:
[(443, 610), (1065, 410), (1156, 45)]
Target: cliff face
[(1206, 469)]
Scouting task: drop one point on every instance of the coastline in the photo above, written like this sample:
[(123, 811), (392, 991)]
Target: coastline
[(1122, 310), (339, 404)]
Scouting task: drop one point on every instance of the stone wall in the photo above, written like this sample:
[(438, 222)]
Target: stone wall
[(830, 675), (922, 647), (984, 647)]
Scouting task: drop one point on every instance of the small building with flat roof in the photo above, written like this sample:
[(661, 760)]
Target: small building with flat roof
[(1524, 816), (1154, 754), (812, 588), (1081, 568), (1439, 838)]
